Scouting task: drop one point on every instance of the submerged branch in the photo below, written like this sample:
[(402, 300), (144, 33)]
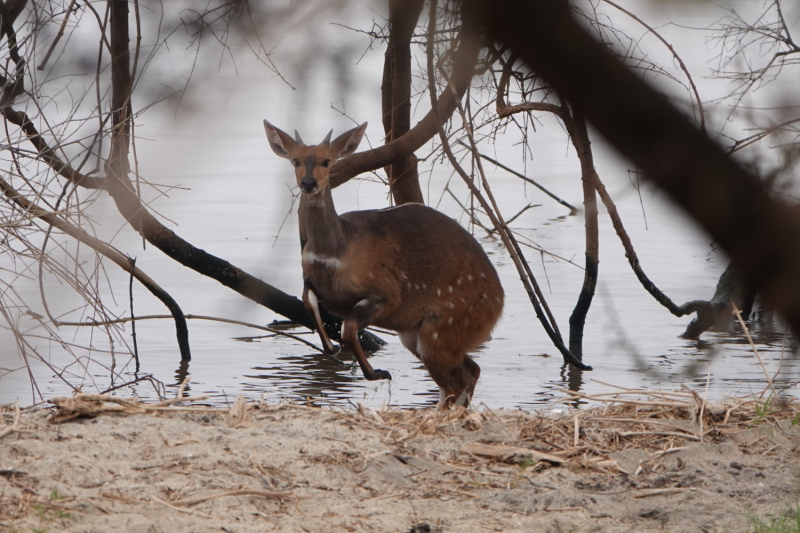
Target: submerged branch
[(579, 134)]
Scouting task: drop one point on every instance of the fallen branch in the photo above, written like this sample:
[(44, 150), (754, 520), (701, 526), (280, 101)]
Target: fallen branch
[(510, 454), (92, 405)]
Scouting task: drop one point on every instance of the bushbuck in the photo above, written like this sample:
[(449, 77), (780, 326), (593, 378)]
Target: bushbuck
[(407, 268)]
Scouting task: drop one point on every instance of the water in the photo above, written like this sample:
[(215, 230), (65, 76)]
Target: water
[(234, 201)]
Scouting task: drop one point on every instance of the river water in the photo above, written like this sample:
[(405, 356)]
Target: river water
[(226, 192)]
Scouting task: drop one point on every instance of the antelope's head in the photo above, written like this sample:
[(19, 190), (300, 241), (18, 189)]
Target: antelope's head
[(312, 164)]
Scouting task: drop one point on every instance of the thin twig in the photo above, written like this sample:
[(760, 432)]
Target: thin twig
[(187, 511), (492, 211), (215, 319), (133, 322), (770, 383), (572, 209), (674, 54), (58, 36)]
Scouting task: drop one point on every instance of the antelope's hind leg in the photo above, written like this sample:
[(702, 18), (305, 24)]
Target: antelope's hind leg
[(456, 383), (454, 371), (311, 303), (360, 316)]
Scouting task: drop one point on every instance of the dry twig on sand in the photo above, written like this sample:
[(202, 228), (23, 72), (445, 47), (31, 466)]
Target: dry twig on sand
[(15, 425)]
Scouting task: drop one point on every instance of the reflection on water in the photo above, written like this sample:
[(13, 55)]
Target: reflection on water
[(313, 378)]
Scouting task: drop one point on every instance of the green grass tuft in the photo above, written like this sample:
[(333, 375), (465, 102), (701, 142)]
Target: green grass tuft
[(788, 522)]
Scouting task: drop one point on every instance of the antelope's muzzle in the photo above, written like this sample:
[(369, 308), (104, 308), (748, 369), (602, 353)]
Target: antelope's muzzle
[(308, 184)]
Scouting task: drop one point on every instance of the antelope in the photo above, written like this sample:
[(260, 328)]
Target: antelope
[(407, 268)]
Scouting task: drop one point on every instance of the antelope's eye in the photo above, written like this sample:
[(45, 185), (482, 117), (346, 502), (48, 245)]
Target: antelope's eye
[(296, 162), (326, 163)]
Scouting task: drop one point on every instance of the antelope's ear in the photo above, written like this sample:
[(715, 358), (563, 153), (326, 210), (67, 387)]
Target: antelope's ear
[(346, 143), (279, 141)]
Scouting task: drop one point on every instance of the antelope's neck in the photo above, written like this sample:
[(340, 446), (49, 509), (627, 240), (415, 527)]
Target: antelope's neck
[(324, 229)]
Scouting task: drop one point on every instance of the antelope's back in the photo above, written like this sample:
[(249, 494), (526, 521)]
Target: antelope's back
[(428, 261)]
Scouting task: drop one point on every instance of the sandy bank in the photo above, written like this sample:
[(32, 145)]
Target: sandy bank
[(294, 468)]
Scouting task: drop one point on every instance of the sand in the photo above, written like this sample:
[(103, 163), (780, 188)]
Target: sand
[(643, 467)]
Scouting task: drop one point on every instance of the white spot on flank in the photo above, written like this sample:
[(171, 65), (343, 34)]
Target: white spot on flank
[(483, 275), (438, 292), (403, 275), (450, 320), (484, 297), (409, 284), (416, 286), (450, 288), (435, 335), (470, 278), (424, 286), (459, 281), (327, 260), (450, 305)]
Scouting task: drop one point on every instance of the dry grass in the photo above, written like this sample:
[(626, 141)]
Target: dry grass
[(364, 458)]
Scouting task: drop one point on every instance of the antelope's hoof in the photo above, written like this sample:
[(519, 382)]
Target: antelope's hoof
[(380, 374), (335, 349)]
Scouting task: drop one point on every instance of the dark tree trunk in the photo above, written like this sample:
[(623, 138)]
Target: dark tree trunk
[(580, 138), (117, 182), (396, 98)]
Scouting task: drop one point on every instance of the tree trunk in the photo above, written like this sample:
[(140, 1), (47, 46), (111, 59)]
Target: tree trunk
[(580, 138), (118, 166), (396, 98)]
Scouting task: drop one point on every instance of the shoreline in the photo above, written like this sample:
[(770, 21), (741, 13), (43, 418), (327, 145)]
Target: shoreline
[(661, 463)]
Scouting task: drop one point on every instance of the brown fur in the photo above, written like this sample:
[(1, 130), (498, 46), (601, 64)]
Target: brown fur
[(407, 268)]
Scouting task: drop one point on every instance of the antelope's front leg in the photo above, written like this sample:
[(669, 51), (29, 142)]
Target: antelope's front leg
[(311, 303), (361, 316)]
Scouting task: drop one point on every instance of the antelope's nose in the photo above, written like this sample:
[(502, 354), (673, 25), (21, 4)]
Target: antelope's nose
[(308, 184)]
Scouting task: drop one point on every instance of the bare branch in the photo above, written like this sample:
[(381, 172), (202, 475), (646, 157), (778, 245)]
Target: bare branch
[(674, 54), (491, 210), (114, 255)]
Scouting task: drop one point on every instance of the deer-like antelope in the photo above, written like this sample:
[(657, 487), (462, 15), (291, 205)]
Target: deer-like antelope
[(408, 268)]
